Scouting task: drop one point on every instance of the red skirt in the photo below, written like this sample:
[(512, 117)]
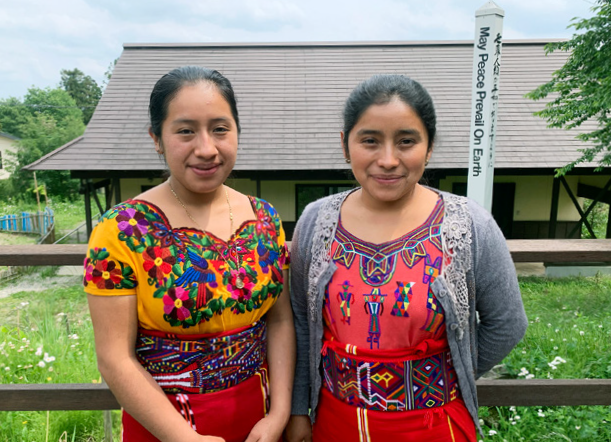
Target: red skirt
[(230, 413), (339, 421)]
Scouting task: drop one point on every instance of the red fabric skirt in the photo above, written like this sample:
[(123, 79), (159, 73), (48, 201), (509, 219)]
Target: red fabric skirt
[(230, 413), (338, 421)]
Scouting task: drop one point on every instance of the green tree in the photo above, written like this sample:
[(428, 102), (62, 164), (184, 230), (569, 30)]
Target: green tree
[(83, 89), (12, 115), (581, 89), (45, 120)]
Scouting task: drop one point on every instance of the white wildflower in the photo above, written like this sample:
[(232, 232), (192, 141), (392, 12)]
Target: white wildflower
[(558, 360), (529, 376), (41, 364), (523, 372), (48, 358), (540, 413), (581, 332), (39, 351), (491, 432)]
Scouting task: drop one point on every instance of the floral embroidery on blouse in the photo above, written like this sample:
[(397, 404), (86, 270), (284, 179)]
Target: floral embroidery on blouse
[(187, 269)]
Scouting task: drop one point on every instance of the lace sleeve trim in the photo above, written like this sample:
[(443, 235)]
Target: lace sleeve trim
[(457, 238), (324, 230)]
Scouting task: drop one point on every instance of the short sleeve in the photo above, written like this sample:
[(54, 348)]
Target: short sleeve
[(284, 256), (109, 264)]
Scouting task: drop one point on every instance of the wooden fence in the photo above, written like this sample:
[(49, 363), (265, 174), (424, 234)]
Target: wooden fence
[(39, 222), (520, 392)]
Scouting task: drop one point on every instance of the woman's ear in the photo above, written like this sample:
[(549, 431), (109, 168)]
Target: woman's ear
[(345, 146), (157, 141), (429, 153)]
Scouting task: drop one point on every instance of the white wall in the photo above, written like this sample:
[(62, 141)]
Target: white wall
[(533, 200), (532, 203), (8, 151)]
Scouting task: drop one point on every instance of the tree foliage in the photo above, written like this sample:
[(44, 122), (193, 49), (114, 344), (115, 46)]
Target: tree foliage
[(45, 120), (581, 89), (83, 89)]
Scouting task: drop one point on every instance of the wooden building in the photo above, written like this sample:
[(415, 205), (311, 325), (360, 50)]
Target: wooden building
[(290, 98)]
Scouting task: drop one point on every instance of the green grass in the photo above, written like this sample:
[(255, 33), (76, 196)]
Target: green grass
[(570, 329), (558, 310), (46, 337), (15, 239)]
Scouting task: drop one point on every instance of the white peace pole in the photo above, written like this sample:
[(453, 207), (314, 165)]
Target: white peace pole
[(485, 97)]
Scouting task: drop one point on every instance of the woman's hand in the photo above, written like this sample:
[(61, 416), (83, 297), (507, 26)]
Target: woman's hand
[(299, 429), (268, 429)]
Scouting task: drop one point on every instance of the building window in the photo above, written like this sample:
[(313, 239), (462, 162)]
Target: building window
[(306, 193)]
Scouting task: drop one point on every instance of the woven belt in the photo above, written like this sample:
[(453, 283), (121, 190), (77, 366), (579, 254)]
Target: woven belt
[(204, 365), (398, 385)]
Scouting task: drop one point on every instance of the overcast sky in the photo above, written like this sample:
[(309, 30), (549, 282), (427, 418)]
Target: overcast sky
[(40, 37)]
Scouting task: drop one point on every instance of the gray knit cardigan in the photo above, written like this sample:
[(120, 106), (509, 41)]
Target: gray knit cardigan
[(478, 291)]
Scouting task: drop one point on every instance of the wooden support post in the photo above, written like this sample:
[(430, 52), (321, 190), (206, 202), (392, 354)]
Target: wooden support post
[(107, 426), (117, 187), (85, 184), (584, 216), (553, 215), (38, 203)]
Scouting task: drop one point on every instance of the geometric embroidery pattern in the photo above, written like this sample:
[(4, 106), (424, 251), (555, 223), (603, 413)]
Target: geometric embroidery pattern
[(344, 297), (204, 365), (390, 386), (377, 262), (431, 269), (374, 306), (403, 296), (434, 316)]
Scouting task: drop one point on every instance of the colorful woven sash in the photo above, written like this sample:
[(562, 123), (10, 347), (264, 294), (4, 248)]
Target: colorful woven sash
[(181, 364), (388, 382)]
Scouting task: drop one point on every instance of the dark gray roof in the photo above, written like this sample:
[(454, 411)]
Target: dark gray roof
[(290, 98)]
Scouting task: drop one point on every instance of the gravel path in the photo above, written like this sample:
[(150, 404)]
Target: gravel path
[(67, 276)]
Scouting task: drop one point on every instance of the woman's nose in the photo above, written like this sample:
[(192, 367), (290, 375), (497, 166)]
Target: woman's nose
[(388, 157), (205, 145)]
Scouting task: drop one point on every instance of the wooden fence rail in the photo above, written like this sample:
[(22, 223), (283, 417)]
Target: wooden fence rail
[(519, 392), (39, 222)]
